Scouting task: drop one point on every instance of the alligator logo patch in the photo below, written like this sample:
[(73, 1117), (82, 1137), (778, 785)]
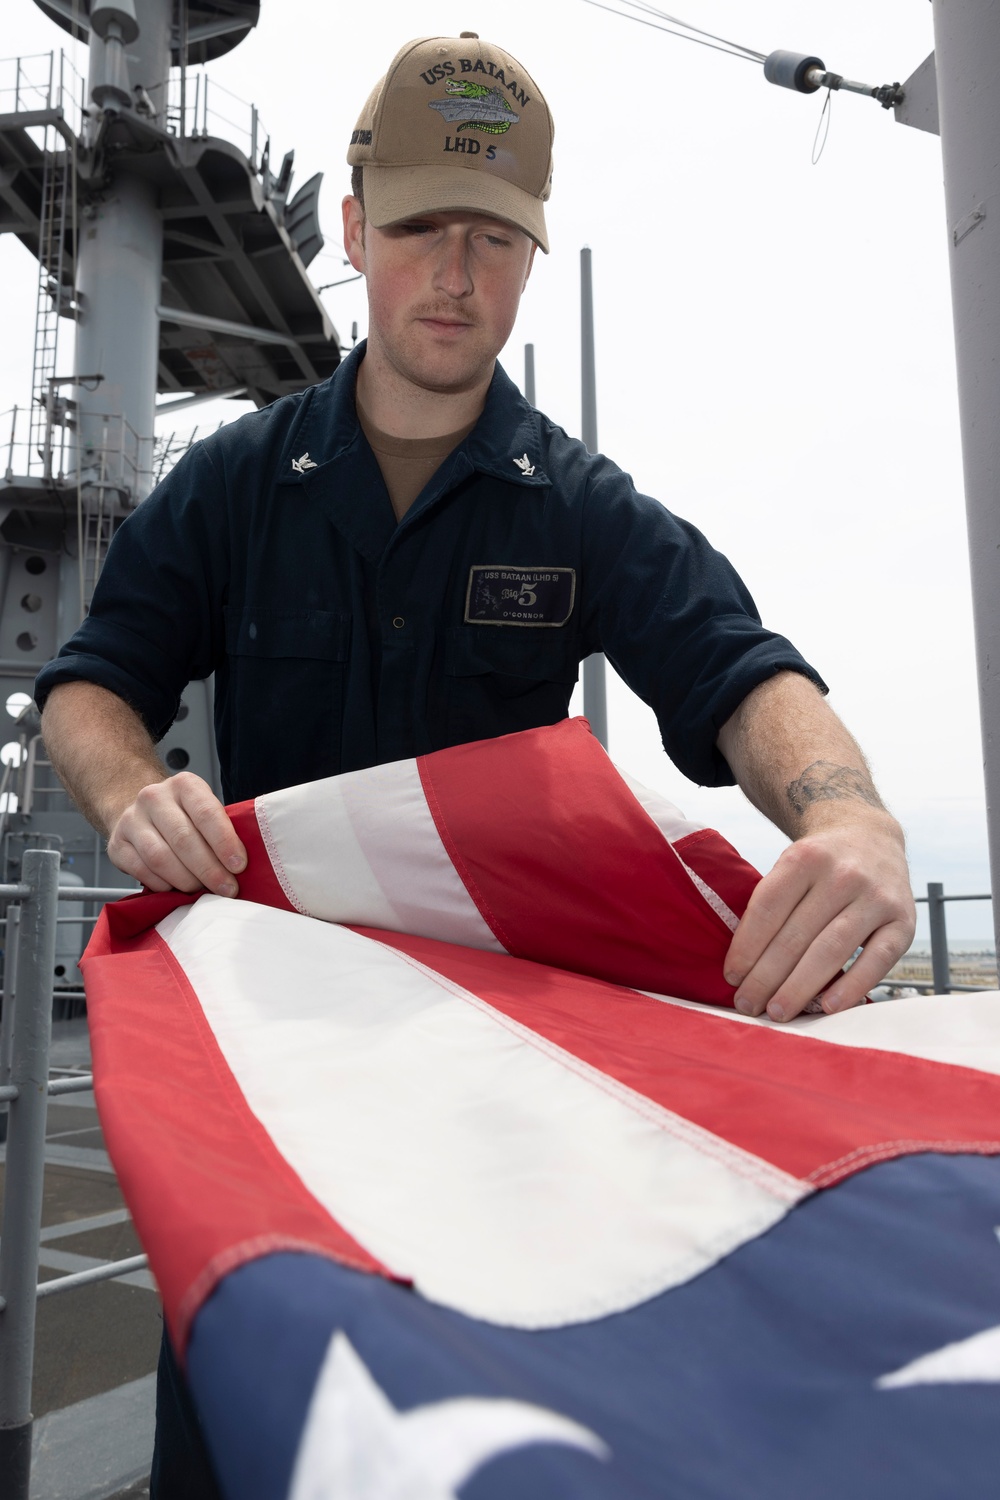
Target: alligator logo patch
[(475, 107)]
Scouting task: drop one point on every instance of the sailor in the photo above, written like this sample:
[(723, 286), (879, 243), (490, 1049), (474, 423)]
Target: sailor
[(410, 556)]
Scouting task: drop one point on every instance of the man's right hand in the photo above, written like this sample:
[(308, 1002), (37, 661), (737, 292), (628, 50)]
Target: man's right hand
[(170, 832), (176, 836)]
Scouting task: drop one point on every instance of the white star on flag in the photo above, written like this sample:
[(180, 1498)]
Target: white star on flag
[(357, 1446), (972, 1360)]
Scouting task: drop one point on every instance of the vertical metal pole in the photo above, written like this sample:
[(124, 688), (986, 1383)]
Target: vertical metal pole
[(588, 357), (940, 962), (967, 45), (11, 929), (22, 1204), (529, 373), (10, 451), (9, 994), (595, 690), (182, 26)]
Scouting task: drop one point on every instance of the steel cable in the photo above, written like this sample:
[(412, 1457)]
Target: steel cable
[(687, 33)]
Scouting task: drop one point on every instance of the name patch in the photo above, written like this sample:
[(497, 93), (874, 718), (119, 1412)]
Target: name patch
[(519, 596)]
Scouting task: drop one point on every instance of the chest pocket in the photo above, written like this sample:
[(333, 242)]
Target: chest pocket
[(282, 697), (504, 678)]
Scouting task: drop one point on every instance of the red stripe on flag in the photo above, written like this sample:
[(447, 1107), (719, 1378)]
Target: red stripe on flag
[(134, 915), (816, 1110), (548, 841), (259, 881), (189, 1152)]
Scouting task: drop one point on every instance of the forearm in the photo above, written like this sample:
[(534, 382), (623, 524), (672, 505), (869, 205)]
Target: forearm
[(101, 750), (843, 884), (796, 761)]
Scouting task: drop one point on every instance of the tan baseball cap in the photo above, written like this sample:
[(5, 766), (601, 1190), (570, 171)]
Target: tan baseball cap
[(455, 123)]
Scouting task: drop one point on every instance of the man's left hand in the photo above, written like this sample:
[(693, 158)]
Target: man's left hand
[(842, 887)]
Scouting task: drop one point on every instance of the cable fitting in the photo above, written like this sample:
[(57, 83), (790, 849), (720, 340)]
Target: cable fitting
[(795, 70)]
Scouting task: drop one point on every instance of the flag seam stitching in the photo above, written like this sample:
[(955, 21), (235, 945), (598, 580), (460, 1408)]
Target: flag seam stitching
[(713, 898), (867, 1156), (779, 1184), (271, 845)]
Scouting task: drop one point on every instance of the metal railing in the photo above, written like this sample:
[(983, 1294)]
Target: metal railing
[(43, 81), (189, 104), (123, 460), (26, 1087), (193, 109), (940, 983)]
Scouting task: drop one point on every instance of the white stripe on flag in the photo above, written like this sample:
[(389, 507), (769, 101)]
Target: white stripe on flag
[(362, 848), (963, 1030), (665, 814), (506, 1178)]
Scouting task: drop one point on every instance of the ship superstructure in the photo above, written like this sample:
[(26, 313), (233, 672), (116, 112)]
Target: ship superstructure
[(172, 268)]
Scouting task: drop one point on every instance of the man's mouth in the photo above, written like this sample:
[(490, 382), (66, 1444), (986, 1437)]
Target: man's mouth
[(445, 325)]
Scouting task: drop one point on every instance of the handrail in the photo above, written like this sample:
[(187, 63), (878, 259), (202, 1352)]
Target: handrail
[(109, 1272)]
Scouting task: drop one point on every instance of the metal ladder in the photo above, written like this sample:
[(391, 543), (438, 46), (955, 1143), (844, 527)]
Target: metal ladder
[(55, 210), (98, 530)]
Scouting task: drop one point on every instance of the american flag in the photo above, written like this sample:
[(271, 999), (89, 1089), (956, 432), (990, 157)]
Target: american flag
[(460, 1175)]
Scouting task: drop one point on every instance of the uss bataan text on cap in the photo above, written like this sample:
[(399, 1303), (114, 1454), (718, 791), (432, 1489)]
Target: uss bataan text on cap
[(456, 123)]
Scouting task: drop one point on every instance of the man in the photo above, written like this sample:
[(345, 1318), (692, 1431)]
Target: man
[(344, 562)]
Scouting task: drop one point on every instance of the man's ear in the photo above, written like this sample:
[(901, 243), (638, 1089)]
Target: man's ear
[(531, 262), (354, 233)]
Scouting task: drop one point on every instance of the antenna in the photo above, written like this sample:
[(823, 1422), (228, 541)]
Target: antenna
[(595, 692)]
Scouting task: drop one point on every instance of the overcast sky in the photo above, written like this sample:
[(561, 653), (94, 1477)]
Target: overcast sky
[(775, 356)]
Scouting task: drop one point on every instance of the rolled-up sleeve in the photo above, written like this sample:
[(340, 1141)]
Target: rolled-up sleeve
[(677, 623)]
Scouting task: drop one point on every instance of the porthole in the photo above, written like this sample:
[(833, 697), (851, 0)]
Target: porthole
[(177, 759), (35, 565), (27, 641), (32, 603), (16, 704), (12, 754)]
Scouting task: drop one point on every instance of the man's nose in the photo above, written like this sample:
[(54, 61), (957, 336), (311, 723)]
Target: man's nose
[(453, 274)]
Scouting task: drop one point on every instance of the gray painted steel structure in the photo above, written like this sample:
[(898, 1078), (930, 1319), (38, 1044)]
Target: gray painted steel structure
[(967, 49), (182, 261), (22, 1203), (25, 1088)]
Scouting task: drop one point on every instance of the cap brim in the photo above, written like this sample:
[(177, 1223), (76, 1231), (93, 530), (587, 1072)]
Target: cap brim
[(394, 193)]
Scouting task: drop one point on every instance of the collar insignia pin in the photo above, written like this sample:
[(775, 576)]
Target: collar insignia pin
[(300, 465), (525, 465)]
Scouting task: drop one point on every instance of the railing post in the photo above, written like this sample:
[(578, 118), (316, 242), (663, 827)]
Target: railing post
[(22, 1205), (10, 451), (940, 963), (10, 928)]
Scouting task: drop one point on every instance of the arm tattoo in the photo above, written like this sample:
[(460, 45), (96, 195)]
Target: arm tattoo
[(825, 782)]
